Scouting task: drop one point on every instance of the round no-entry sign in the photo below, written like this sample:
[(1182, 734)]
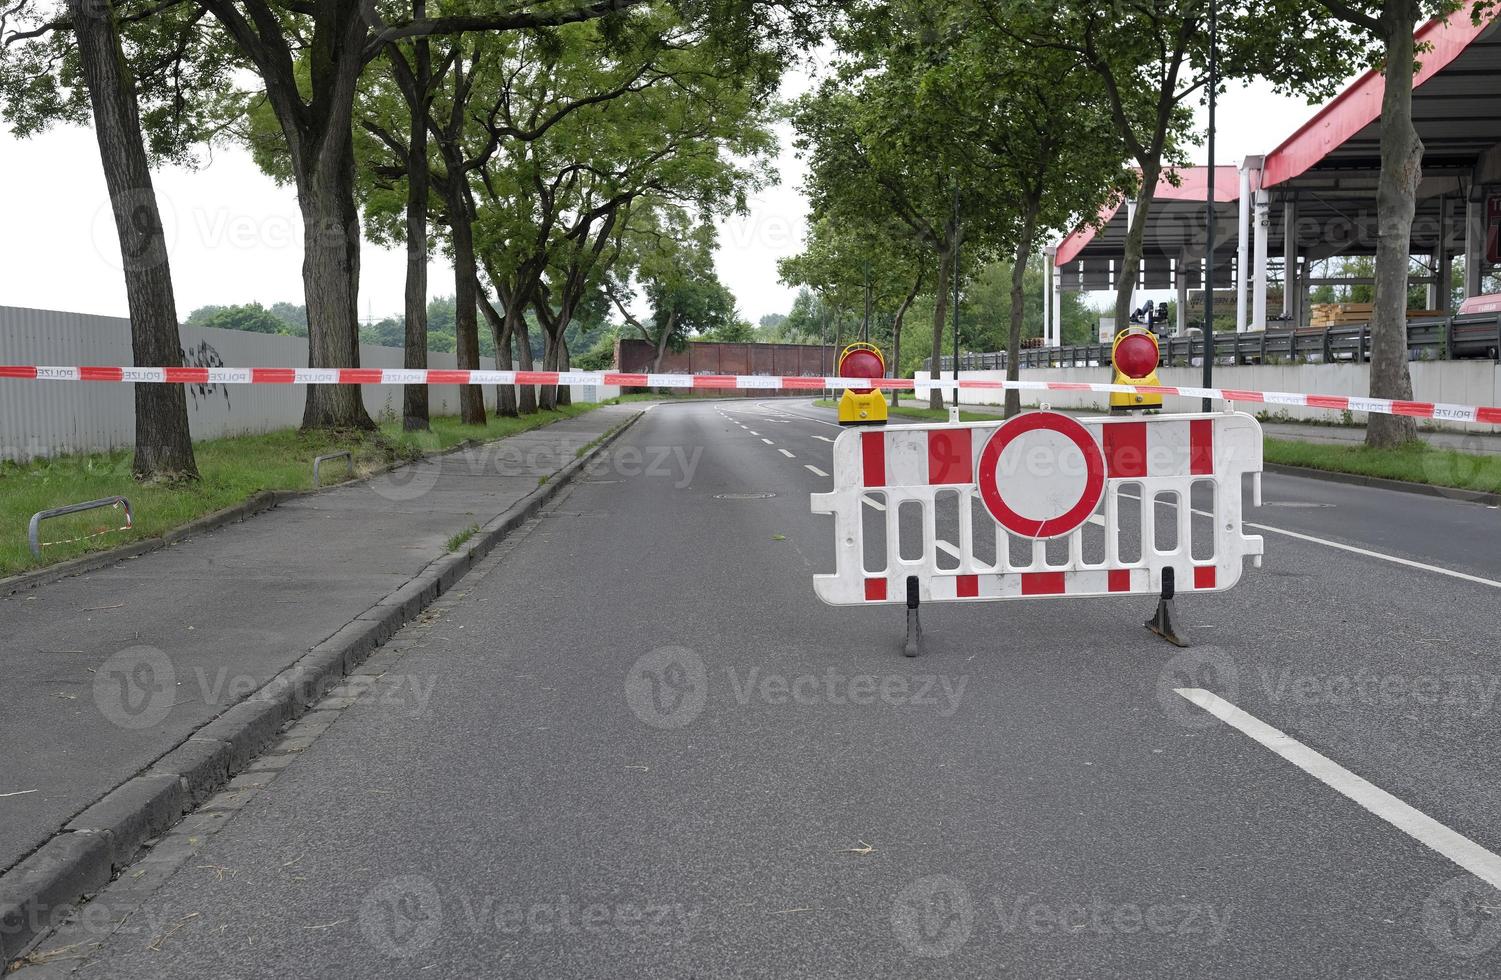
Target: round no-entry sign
[(1041, 475)]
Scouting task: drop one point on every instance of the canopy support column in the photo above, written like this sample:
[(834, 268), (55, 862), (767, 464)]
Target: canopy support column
[(1180, 328), (1443, 266), (1057, 300), (1260, 227), (1292, 282), (1049, 255), (1475, 242), (1242, 255)]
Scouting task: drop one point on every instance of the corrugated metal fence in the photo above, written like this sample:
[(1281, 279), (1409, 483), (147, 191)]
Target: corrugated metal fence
[(48, 418)]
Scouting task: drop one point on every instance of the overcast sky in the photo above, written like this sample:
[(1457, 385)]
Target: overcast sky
[(236, 237)]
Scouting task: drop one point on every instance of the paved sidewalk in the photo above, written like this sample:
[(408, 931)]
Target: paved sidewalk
[(107, 671)]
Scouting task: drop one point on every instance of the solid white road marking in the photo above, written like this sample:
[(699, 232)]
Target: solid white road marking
[(786, 453), (1422, 566), (814, 470), (824, 439), (1365, 552), (1453, 845)]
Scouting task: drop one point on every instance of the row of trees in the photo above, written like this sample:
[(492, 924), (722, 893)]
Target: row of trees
[(555, 150), (989, 124)]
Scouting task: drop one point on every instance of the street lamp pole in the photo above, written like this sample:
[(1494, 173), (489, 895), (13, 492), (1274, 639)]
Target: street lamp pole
[(1209, 245), (955, 276)]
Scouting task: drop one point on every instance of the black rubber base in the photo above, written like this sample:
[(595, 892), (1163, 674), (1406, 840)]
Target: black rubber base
[(913, 646), (1164, 623)]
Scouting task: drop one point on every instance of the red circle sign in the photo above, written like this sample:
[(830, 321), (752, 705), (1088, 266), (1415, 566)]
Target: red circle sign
[(1049, 501)]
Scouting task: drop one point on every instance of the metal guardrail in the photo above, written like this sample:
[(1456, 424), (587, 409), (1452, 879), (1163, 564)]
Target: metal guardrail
[(318, 461), (33, 529), (1437, 339)]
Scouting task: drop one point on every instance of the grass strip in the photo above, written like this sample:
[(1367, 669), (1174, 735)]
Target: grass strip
[(231, 470)]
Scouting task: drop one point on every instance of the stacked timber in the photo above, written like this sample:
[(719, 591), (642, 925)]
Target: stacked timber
[(1353, 314)]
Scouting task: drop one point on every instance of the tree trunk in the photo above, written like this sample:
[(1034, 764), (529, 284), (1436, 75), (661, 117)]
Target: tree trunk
[(1018, 308), (330, 279), (662, 340), (940, 317), (1401, 170), (163, 445), (565, 392), (896, 331), (547, 398), (521, 331), (414, 398), (1131, 260), (465, 301), (505, 395)]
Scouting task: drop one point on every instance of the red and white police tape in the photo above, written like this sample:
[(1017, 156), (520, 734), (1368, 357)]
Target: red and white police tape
[(405, 376)]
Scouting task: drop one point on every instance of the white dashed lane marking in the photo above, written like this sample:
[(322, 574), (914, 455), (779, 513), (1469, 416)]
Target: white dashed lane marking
[(786, 453), (814, 470)]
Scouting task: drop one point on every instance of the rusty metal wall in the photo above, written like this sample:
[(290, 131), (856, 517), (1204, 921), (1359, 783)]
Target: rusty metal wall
[(635, 356)]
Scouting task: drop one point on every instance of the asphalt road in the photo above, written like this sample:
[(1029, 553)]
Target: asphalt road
[(633, 744)]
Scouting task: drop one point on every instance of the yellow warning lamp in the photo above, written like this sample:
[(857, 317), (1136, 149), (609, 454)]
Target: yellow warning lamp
[(1134, 355), (862, 406)]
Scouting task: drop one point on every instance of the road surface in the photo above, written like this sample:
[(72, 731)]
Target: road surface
[(633, 744)]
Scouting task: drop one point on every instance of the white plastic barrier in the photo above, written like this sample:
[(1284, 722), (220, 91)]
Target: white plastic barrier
[(1038, 506)]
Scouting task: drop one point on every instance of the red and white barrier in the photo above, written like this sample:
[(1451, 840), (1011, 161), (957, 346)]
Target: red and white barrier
[(400, 376), (1012, 487)]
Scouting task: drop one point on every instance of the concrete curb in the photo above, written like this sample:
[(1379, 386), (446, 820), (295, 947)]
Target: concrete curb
[(233, 514), (1381, 483), (84, 855)]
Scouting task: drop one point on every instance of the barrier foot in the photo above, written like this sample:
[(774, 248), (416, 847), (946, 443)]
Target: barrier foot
[(1164, 622), (913, 646)]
